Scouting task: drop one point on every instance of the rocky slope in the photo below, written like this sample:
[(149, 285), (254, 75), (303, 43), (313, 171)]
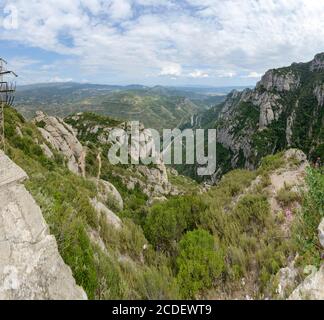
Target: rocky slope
[(153, 180), (30, 265), (312, 288), (284, 110)]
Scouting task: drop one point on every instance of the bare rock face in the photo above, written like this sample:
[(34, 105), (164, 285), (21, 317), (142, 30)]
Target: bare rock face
[(312, 288), (31, 267), (273, 80), (319, 94), (270, 107), (62, 138), (318, 63)]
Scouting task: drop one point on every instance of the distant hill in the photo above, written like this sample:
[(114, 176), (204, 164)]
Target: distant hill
[(158, 107)]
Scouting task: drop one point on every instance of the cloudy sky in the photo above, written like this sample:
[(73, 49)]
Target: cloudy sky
[(183, 42)]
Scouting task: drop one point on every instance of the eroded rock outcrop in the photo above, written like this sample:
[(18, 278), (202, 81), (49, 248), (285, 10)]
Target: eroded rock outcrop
[(62, 139), (284, 81), (153, 179), (312, 287), (111, 217), (319, 94), (318, 63), (31, 267), (278, 113)]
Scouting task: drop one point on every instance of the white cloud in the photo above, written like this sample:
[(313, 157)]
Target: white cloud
[(128, 39), (172, 69), (227, 74), (120, 9), (198, 74)]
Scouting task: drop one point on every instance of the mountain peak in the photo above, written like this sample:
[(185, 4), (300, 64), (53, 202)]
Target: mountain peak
[(318, 63)]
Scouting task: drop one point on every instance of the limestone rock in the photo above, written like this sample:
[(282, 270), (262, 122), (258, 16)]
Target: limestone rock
[(287, 279), (47, 151), (273, 80), (289, 132), (9, 172), (31, 267), (108, 193), (318, 63), (321, 233), (312, 288), (319, 94), (111, 218), (63, 139)]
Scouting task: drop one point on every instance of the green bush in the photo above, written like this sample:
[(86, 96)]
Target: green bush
[(167, 221), (199, 263)]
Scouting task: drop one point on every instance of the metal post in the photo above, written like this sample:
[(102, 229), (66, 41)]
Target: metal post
[(7, 90)]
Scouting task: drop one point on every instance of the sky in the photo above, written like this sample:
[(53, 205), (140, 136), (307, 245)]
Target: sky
[(151, 42)]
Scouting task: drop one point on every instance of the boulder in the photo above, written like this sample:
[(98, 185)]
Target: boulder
[(31, 267), (107, 193), (111, 218), (312, 288)]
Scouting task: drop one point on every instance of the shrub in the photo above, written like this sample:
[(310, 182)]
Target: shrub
[(251, 211), (199, 263), (167, 221), (271, 163)]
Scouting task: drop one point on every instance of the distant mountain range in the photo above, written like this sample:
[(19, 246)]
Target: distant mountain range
[(158, 107)]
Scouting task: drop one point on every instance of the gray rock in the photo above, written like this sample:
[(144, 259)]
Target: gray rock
[(62, 138), (111, 217), (47, 151), (107, 192), (318, 63), (9, 172), (31, 267), (273, 80), (287, 280), (312, 288), (321, 233), (319, 94)]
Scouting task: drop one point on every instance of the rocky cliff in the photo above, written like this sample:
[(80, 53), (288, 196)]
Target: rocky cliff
[(30, 265), (284, 110), (93, 130)]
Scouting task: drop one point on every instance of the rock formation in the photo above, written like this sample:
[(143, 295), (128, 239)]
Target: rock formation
[(321, 233), (312, 288), (62, 139), (31, 267), (283, 110)]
